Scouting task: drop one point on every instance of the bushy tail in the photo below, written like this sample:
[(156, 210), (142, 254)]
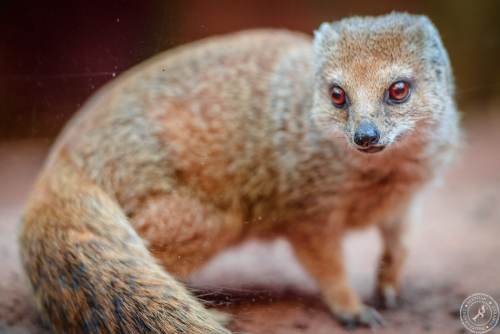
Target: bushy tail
[(91, 272)]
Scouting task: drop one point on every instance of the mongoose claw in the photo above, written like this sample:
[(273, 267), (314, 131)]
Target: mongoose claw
[(386, 298), (368, 317)]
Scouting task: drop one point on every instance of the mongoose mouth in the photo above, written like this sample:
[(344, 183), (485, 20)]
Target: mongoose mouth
[(371, 149)]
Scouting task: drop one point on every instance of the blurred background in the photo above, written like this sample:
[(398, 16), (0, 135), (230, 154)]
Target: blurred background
[(54, 55)]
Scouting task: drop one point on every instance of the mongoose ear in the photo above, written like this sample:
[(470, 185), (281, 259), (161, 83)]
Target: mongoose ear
[(324, 37), (434, 51)]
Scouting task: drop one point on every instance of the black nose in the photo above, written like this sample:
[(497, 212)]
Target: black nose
[(366, 134)]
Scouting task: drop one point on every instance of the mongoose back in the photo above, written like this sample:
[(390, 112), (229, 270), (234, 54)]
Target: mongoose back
[(261, 134)]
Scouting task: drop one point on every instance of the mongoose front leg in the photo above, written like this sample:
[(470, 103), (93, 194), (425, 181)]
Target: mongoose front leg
[(393, 234), (320, 252)]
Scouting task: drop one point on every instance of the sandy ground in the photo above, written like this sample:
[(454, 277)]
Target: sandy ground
[(455, 253)]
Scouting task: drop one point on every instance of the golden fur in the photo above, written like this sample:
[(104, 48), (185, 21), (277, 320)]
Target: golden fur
[(229, 138)]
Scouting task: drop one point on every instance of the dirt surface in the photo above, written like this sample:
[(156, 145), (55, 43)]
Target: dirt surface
[(455, 253)]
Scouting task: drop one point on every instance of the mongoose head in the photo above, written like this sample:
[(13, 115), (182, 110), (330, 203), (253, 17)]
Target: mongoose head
[(381, 81)]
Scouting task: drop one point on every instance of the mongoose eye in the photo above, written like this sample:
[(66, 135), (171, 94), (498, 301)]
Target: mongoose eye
[(399, 92), (338, 96)]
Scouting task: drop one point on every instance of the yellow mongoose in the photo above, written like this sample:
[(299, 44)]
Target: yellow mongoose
[(262, 133)]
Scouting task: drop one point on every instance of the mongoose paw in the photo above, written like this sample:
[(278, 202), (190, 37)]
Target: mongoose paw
[(367, 317), (386, 298), (222, 318)]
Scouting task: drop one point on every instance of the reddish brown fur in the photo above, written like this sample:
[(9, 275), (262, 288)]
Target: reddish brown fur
[(222, 140)]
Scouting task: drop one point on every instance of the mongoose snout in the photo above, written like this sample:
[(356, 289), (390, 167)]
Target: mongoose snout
[(367, 137)]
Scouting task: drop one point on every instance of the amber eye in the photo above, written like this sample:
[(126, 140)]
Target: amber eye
[(338, 96), (399, 91)]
